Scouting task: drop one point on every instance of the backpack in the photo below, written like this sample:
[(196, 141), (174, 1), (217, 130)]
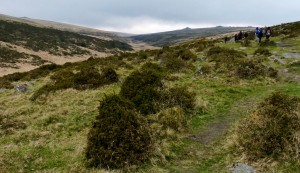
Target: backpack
[(268, 32), (260, 32)]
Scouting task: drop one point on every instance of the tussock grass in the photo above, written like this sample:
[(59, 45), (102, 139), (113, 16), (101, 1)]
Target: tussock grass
[(271, 133)]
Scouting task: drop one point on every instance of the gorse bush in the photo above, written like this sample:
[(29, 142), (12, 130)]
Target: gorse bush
[(119, 137), (175, 59), (179, 96), (42, 71), (272, 131), (251, 68), (267, 43), (143, 88), (5, 84), (246, 43), (86, 78), (262, 51), (224, 57), (174, 118)]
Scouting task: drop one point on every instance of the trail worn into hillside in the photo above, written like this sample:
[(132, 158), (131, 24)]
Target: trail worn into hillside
[(215, 130)]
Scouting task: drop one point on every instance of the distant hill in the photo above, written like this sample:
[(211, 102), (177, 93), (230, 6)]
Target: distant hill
[(25, 45), (172, 37), (66, 27)]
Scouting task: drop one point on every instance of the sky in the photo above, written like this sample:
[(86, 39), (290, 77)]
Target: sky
[(149, 16)]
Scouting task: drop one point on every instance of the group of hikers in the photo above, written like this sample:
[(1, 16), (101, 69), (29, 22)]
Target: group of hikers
[(259, 33)]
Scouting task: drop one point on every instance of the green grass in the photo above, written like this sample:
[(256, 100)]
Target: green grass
[(55, 136)]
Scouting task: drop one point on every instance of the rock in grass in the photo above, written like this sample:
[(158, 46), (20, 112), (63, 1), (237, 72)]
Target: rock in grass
[(241, 168), (21, 87)]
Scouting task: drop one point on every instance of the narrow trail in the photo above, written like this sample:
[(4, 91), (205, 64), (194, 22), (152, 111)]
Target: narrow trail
[(216, 130)]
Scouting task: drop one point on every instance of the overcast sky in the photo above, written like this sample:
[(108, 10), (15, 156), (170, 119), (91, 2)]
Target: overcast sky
[(146, 16)]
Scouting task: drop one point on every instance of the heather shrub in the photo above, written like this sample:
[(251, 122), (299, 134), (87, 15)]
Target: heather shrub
[(186, 55), (267, 43), (109, 75), (225, 58), (174, 64), (86, 78), (143, 88), (251, 68), (262, 51), (6, 84), (174, 118), (179, 96), (272, 132), (246, 43), (119, 136), (9, 124)]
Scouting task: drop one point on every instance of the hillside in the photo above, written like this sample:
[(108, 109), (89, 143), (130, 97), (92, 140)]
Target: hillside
[(172, 37), (197, 106), (65, 27), (49, 45)]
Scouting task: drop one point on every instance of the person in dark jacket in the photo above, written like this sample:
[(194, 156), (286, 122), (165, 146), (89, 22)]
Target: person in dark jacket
[(246, 35), (240, 35), (268, 33), (235, 37), (260, 34), (225, 39)]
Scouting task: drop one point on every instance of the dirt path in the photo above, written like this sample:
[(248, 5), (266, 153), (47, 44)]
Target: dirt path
[(215, 130)]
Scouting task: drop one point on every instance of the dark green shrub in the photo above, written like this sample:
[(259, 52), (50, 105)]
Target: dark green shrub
[(14, 77), (109, 75), (227, 58), (262, 51), (272, 72), (8, 124), (246, 43), (174, 64), (186, 54), (250, 68), (272, 131), (119, 136), (179, 96), (6, 84), (267, 43), (174, 118), (89, 78), (86, 78), (143, 88)]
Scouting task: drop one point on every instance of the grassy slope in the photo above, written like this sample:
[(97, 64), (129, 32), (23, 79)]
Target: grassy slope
[(55, 137)]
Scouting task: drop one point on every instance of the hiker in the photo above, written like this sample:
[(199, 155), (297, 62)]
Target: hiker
[(268, 33), (240, 35), (256, 31), (260, 34), (235, 37), (246, 35), (225, 39)]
